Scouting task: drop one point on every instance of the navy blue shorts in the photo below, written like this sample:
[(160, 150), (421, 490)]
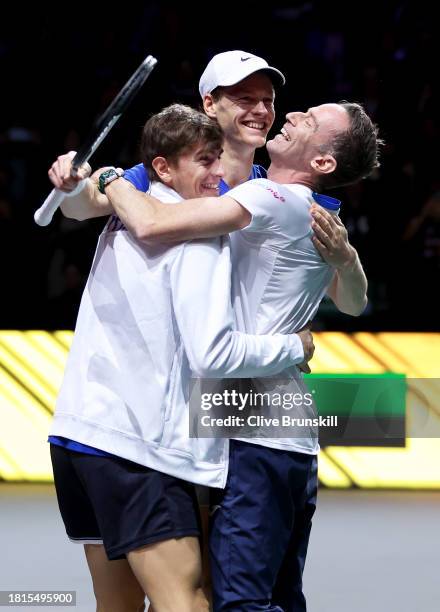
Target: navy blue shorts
[(260, 529), (119, 503)]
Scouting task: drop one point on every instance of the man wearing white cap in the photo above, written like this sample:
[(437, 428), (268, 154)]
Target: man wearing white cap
[(237, 89)]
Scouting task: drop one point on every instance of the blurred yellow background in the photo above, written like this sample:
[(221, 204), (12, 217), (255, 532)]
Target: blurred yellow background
[(31, 370)]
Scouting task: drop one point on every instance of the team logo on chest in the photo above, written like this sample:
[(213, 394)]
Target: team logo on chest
[(276, 195)]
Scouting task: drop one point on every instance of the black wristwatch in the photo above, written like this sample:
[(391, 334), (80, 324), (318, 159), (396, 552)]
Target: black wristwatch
[(107, 177)]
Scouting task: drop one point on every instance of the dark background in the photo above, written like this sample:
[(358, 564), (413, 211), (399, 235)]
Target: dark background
[(59, 71)]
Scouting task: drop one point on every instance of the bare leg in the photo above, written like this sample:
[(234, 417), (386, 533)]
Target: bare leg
[(115, 586), (170, 573), (206, 567)]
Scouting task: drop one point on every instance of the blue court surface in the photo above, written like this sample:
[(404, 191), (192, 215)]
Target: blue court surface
[(369, 551)]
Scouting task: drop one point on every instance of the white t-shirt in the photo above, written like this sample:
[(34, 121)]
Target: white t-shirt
[(278, 277)]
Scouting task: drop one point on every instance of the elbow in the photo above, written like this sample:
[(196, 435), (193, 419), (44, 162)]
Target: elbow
[(362, 307), (355, 310), (144, 231), (208, 364), (73, 213), (218, 357), (150, 231), (80, 216), (203, 367)]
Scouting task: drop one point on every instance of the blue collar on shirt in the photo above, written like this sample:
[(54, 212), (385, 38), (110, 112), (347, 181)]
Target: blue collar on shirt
[(256, 173), (326, 201), (259, 172)]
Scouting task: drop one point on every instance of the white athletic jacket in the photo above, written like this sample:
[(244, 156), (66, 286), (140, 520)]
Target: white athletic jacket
[(149, 314)]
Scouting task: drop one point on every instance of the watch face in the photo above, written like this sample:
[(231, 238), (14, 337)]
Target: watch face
[(104, 178)]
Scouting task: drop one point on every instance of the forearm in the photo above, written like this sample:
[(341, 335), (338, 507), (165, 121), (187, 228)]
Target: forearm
[(237, 355), (150, 219), (349, 287), (137, 210), (89, 203), (201, 284)]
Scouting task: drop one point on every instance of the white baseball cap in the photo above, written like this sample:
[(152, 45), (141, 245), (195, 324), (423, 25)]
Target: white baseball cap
[(231, 67)]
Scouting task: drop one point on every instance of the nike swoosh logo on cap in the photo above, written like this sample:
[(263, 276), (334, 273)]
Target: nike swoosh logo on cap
[(245, 59)]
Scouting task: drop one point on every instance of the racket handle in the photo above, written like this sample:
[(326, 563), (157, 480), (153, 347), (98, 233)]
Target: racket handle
[(43, 216)]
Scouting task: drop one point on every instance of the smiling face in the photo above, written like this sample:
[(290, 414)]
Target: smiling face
[(196, 173), (245, 111), (304, 136)]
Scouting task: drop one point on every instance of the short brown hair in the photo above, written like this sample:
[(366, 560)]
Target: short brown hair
[(173, 131), (356, 149)]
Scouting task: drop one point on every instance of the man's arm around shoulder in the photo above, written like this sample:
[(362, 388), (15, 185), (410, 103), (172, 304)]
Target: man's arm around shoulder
[(150, 219), (200, 285)]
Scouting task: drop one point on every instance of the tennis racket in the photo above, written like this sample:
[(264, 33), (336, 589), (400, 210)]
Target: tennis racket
[(43, 216)]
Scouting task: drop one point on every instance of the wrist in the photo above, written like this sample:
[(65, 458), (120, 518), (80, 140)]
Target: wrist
[(296, 349), (350, 263), (79, 187), (107, 177)]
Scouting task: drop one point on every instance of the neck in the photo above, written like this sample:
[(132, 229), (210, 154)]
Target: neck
[(237, 163), (281, 174)]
